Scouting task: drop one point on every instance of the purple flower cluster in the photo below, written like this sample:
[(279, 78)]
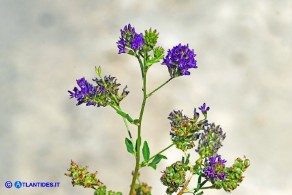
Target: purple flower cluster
[(214, 168), (210, 140), (86, 92), (103, 94), (179, 59), (130, 39)]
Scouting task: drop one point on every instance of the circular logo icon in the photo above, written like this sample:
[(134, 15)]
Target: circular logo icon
[(8, 184), (17, 184)]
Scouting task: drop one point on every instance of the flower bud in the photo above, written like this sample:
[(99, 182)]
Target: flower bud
[(150, 38)]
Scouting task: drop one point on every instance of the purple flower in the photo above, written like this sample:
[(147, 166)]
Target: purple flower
[(204, 109), (85, 93), (137, 42), (179, 59), (130, 39), (214, 168)]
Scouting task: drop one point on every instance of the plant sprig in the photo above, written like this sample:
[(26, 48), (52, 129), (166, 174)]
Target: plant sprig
[(188, 134)]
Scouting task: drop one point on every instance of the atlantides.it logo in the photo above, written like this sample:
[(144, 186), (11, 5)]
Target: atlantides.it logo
[(22, 184)]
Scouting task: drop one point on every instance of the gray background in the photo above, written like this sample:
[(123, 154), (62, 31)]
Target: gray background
[(244, 54)]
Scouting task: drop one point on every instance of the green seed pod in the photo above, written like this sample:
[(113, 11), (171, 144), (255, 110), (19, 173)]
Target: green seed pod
[(174, 177)]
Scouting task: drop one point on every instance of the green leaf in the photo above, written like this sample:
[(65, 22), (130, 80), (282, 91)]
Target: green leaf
[(152, 165), (126, 116), (146, 151), (129, 145), (131, 52), (156, 160), (129, 119)]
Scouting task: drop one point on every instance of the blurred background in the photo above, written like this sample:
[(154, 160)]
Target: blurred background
[(244, 54)]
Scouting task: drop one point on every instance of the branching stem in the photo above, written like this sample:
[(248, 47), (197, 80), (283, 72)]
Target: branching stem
[(138, 143), (159, 87)]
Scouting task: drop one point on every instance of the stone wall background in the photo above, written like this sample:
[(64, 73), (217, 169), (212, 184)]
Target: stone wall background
[(244, 53)]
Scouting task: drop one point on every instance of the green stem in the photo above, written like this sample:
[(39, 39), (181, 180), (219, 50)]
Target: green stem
[(200, 185), (159, 87), (141, 65), (137, 166), (203, 183)]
